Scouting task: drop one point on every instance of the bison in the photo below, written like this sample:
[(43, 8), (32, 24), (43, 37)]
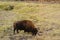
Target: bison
[(25, 25)]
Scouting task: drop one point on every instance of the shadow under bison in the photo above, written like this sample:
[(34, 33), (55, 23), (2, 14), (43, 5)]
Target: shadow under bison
[(25, 25)]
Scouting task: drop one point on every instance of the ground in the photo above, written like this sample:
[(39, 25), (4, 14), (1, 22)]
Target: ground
[(45, 16)]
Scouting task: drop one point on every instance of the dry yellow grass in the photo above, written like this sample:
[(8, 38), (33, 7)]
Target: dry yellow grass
[(46, 17)]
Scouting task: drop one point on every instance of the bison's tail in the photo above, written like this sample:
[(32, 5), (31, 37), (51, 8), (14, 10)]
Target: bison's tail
[(14, 26)]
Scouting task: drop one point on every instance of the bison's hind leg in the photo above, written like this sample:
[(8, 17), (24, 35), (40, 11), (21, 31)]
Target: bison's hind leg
[(17, 30), (14, 30)]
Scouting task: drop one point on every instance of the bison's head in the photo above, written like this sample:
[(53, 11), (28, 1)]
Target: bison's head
[(34, 31)]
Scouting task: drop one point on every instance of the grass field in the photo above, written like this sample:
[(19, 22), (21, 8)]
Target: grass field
[(46, 18)]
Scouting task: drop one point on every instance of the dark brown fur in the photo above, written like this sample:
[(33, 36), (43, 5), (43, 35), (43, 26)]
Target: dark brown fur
[(25, 25)]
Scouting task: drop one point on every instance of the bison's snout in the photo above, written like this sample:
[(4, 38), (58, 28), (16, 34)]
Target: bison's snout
[(34, 31)]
